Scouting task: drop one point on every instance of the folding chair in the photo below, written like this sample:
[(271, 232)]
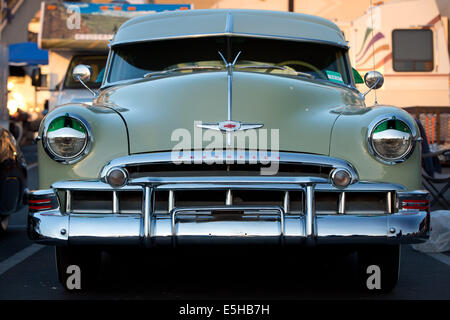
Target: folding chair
[(432, 175), (430, 182)]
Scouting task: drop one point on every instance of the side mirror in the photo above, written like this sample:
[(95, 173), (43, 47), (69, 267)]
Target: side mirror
[(373, 80), (36, 78), (82, 73)]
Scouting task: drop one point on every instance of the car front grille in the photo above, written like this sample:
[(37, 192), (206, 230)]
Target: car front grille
[(292, 201), (87, 201), (227, 183), (217, 170)]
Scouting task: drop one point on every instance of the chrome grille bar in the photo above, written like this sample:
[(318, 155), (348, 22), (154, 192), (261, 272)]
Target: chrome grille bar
[(148, 194), (175, 213), (226, 180), (229, 198), (307, 203), (341, 206), (115, 202), (68, 201), (389, 202), (310, 211), (286, 202), (171, 204), (237, 157)]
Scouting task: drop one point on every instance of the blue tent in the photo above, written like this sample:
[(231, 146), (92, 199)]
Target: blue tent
[(27, 53)]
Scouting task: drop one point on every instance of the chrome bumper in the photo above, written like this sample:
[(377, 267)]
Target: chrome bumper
[(209, 225)]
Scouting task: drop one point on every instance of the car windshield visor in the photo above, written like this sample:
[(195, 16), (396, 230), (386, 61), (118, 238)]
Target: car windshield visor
[(271, 56)]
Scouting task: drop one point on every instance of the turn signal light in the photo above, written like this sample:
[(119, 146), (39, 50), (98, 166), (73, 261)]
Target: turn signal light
[(341, 178), (422, 205), (40, 202), (117, 177)]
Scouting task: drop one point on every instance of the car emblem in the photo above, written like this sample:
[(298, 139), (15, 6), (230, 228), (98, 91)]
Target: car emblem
[(229, 125)]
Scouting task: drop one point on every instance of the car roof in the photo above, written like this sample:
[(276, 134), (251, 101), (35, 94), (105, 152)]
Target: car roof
[(211, 22)]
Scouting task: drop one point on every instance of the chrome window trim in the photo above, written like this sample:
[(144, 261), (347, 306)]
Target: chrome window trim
[(86, 149), (381, 119), (107, 66)]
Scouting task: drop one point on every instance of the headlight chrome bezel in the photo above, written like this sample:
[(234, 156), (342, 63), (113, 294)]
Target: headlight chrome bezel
[(81, 154), (377, 122)]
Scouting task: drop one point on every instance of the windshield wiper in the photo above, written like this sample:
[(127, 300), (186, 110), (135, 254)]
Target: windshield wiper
[(268, 67), (205, 68), (191, 68)]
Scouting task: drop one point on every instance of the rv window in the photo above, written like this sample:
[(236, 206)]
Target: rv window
[(412, 50)]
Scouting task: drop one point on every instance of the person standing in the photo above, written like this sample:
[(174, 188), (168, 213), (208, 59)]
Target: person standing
[(5, 11)]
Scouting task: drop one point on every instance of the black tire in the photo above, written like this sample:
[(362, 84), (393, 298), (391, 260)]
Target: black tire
[(387, 258), (88, 261)]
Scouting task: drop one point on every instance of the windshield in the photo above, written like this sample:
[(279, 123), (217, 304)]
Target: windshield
[(97, 64), (295, 58)]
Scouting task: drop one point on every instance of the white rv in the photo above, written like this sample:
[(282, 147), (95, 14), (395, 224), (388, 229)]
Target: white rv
[(407, 41)]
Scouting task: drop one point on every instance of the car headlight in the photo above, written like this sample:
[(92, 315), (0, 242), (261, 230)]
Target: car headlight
[(391, 140), (67, 138)]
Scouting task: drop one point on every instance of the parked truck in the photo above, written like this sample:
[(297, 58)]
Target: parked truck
[(79, 33)]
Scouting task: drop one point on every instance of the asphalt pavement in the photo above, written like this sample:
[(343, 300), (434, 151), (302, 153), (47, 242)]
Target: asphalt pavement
[(27, 271)]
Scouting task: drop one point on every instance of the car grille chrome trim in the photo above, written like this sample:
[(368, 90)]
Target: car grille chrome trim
[(148, 194), (196, 159), (226, 180), (260, 211), (301, 192), (341, 206), (310, 212), (310, 203), (251, 224)]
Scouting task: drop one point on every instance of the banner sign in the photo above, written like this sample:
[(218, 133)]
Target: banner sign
[(74, 25)]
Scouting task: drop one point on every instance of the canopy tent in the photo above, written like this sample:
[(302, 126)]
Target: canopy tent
[(27, 53)]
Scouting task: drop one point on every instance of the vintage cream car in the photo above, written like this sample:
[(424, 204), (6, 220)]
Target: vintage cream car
[(155, 160)]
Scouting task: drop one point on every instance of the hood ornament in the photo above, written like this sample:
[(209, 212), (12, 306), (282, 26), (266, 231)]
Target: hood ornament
[(230, 125)]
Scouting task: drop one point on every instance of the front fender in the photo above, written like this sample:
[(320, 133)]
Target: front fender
[(349, 142), (110, 140)]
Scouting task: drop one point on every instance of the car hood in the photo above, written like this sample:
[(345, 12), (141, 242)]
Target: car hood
[(74, 96), (161, 112)]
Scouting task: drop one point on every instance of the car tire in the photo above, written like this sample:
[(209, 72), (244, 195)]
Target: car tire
[(379, 268), (77, 267), (3, 224)]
